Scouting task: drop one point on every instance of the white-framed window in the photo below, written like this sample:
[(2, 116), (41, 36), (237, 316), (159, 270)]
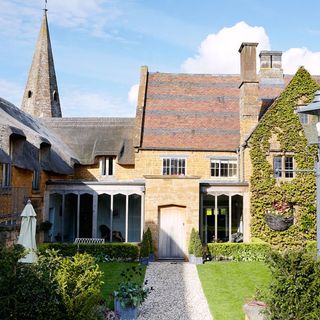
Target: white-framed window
[(224, 168), (6, 174), (282, 166), (174, 166), (107, 166), (36, 180)]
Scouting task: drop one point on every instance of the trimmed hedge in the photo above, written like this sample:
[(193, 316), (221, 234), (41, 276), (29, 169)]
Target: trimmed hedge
[(114, 251), (239, 251)]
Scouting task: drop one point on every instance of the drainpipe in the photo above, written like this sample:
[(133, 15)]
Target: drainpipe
[(238, 162), (241, 156)]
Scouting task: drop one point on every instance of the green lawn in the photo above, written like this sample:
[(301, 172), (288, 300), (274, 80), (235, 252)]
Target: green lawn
[(228, 285), (112, 277)]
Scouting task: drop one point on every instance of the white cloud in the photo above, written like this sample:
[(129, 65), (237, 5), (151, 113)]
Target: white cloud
[(133, 95), (11, 91), (218, 53), (92, 16), (293, 58), (80, 103)]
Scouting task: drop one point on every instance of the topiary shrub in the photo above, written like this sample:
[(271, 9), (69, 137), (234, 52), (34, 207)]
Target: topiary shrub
[(295, 286), (239, 251), (197, 248), (145, 246), (114, 251), (191, 241), (149, 236)]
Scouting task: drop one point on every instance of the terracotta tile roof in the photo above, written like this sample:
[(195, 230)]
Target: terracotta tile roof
[(196, 111)]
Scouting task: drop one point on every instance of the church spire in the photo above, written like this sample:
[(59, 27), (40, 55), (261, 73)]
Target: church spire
[(41, 97)]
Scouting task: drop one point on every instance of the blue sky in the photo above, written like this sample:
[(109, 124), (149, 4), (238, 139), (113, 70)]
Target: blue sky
[(99, 45)]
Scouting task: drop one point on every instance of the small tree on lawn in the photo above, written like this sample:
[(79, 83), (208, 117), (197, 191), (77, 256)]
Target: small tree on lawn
[(191, 242)]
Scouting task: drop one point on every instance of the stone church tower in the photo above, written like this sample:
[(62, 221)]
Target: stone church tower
[(41, 97)]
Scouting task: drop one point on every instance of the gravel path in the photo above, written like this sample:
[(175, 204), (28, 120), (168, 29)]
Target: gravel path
[(177, 293)]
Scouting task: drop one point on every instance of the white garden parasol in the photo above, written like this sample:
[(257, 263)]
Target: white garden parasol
[(27, 236)]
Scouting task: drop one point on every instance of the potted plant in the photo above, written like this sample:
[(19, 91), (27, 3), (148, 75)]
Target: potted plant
[(144, 250), (149, 236), (280, 216), (45, 226), (197, 250), (191, 245), (130, 295)]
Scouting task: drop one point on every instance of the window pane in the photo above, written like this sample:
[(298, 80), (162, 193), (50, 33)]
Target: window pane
[(215, 169), (232, 169), (181, 166), (103, 166), (277, 166), (6, 178), (110, 169), (174, 166), (224, 169), (35, 180), (289, 166)]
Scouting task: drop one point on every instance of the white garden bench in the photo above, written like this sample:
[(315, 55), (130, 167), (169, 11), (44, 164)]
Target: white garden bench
[(88, 240)]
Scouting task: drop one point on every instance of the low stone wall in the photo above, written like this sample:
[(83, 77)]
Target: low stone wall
[(9, 235)]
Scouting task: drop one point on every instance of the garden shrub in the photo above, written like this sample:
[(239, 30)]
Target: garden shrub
[(114, 251), (28, 291), (239, 251), (295, 286), (191, 242), (79, 281), (197, 248), (149, 236)]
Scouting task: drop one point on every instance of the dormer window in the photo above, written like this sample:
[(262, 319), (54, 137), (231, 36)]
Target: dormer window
[(107, 166)]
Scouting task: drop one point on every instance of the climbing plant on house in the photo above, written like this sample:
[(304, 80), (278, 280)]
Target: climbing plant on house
[(281, 121)]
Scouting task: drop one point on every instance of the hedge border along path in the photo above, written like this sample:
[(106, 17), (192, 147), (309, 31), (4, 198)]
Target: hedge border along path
[(177, 293)]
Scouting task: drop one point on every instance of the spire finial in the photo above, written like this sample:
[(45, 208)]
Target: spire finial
[(45, 6)]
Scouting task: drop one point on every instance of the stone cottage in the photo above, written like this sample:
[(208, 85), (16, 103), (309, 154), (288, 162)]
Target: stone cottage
[(183, 161)]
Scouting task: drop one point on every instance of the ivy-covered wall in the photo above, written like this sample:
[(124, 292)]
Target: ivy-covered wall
[(282, 122)]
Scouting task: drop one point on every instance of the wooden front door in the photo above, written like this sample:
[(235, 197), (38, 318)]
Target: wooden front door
[(172, 234)]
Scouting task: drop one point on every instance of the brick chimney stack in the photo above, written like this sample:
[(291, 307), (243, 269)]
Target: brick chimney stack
[(248, 68), (249, 85)]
